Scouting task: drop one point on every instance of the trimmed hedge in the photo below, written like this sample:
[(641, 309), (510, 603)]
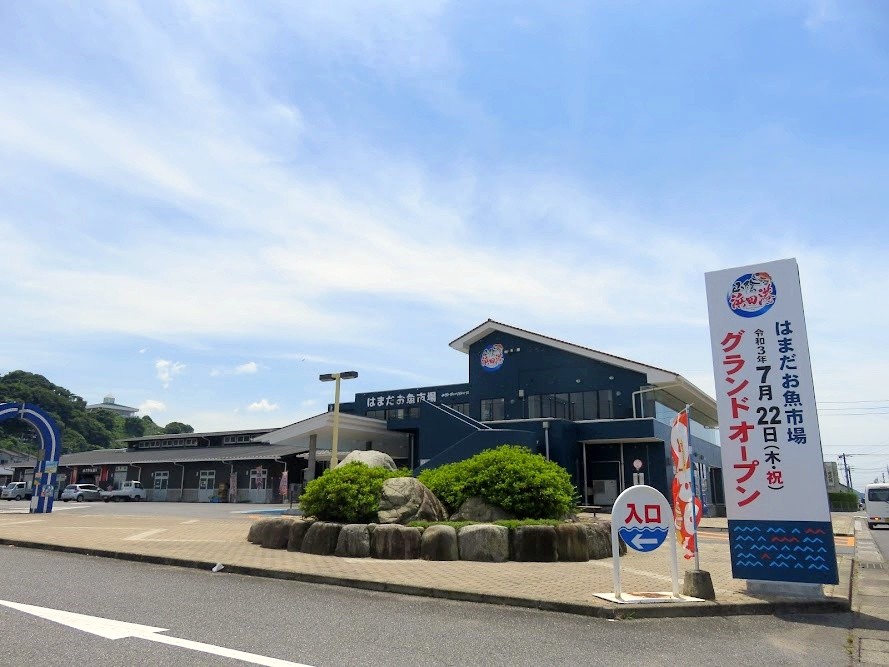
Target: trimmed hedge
[(842, 501), (349, 493), (511, 477)]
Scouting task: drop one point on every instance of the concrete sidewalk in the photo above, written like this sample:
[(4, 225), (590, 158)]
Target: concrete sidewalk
[(870, 634), (566, 587)]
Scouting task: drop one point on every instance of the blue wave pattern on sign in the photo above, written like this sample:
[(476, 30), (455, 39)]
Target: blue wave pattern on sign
[(795, 551), (643, 539)]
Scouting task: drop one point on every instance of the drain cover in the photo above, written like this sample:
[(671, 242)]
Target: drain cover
[(872, 566)]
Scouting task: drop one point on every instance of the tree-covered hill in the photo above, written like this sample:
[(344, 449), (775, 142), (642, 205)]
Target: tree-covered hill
[(82, 429)]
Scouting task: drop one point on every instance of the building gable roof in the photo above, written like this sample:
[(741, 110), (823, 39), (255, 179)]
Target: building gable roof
[(656, 377)]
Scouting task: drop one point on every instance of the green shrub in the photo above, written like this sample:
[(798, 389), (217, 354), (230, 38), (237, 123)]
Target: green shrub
[(447, 482), (843, 501), (348, 493), (510, 477)]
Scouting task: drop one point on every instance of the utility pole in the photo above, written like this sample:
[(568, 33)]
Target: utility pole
[(846, 468)]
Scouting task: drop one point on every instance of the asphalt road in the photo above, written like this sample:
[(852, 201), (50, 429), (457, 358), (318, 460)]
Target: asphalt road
[(880, 535), (325, 626)]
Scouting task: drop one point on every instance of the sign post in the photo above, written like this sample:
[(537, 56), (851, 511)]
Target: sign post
[(642, 517), (776, 499)]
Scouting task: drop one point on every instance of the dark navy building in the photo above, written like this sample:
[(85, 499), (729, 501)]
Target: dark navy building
[(605, 419)]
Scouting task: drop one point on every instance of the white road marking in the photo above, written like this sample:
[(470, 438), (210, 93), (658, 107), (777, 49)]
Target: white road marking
[(19, 523), (111, 629), (142, 536), (185, 523)]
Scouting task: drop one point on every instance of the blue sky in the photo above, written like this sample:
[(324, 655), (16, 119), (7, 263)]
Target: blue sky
[(207, 204)]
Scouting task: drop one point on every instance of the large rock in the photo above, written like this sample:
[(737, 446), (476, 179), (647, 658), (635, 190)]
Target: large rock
[(275, 533), (254, 535), (298, 531), (439, 543), (478, 509), (405, 499), (536, 544), (370, 458), (599, 540), (483, 542), (354, 541), (394, 542), (571, 543), (321, 538)]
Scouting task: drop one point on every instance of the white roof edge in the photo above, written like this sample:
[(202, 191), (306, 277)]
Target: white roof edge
[(654, 374), (325, 420)]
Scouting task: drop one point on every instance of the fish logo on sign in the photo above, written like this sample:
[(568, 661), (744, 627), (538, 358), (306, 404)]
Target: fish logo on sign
[(752, 294), (492, 357)]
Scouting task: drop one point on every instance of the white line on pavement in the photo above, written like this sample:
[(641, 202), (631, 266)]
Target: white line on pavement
[(111, 629), (142, 536)]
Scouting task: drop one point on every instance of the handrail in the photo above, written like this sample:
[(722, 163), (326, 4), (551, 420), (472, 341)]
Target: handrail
[(469, 421)]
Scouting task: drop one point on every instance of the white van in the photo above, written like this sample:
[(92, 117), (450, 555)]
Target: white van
[(876, 504)]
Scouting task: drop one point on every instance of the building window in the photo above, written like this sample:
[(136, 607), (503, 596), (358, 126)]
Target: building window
[(462, 408), (493, 409), (258, 478), (207, 479), (574, 406), (161, 479)]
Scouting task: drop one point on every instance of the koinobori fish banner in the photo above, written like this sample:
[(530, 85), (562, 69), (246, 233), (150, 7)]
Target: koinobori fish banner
[(686, 505)]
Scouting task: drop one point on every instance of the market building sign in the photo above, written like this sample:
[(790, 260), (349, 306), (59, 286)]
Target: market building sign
[(776, 499)]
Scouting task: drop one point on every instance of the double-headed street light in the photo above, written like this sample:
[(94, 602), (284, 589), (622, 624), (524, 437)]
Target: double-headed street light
[(331, 377)]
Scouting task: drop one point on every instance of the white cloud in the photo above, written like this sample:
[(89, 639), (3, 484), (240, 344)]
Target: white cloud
[(151, 406), (249, 368), (167, 370), (262, 406), (820, 12)]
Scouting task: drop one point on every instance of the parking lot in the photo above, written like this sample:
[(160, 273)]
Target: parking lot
[(186, 510)]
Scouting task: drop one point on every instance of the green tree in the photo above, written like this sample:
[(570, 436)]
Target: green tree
[(178, 427), (134, 427)]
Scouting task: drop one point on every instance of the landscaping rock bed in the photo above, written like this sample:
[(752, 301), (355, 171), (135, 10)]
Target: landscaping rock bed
[(486, 542)]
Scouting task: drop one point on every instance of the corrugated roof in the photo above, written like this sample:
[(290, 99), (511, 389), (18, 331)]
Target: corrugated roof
[(205, 434), (137, 457)]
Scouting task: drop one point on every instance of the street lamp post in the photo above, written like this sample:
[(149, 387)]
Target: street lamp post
[(336, 377)]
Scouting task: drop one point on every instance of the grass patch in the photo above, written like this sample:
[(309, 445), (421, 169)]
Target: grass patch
[(512, 524)]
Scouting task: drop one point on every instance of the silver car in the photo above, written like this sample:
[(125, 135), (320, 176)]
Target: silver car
[(81, 492), (16, 491)]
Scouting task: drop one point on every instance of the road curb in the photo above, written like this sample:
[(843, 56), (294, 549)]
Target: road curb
[(620, 612)]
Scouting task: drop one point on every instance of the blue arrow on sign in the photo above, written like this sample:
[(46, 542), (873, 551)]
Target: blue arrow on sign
[(643, 539)]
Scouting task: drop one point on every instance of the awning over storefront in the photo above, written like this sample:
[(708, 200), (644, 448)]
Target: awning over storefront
[(354, 433)]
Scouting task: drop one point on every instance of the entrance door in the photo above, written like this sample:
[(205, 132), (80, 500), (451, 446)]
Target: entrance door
[(206, 485), (258, 491), (161, 480)]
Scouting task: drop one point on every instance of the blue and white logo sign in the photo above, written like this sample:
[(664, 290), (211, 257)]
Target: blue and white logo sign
[(492, 357), (643, 517), (752, 294)]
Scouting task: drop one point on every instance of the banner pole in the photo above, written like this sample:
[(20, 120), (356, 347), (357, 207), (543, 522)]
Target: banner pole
[(694, 492)]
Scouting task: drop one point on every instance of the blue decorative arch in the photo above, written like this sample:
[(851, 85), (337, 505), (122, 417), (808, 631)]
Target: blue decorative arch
[(44, 490)]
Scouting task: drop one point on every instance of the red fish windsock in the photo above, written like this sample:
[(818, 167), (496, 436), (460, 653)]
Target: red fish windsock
[(686, 515)]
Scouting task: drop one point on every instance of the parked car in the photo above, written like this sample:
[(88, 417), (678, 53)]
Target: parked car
[(16, 491), (81, 492), (129, 490)]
